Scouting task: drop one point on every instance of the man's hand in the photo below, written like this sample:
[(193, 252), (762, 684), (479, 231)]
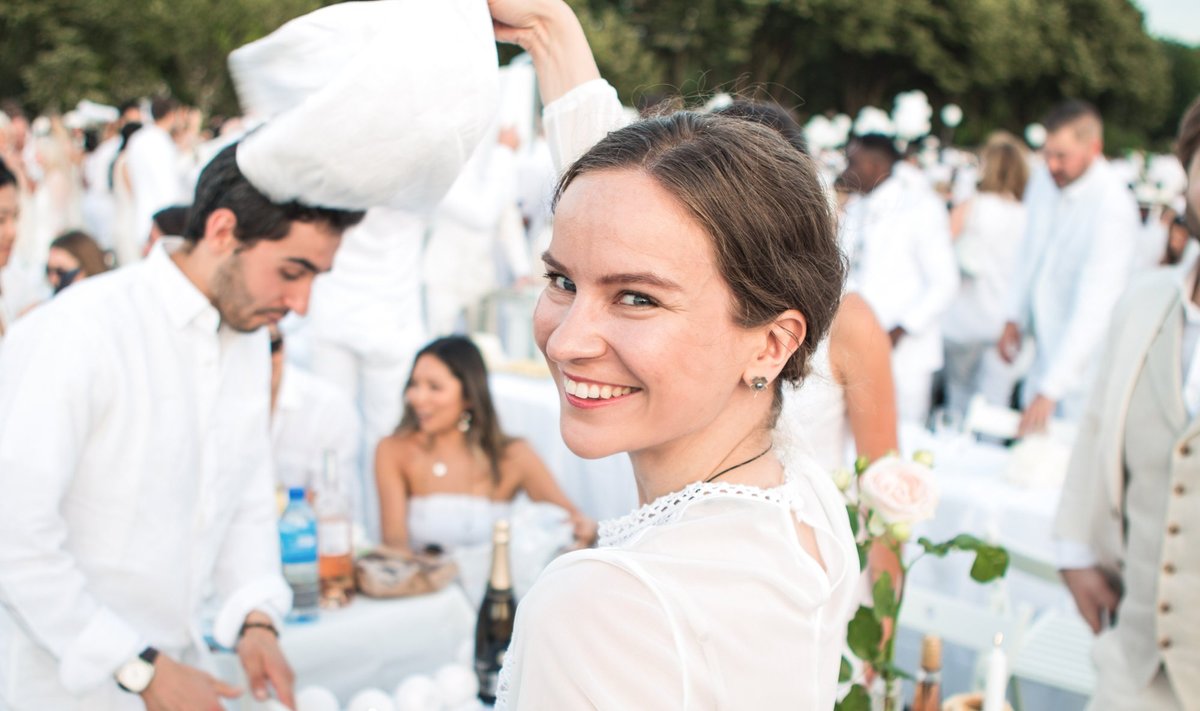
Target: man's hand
[(896, 334), (1037, 416), (264, 663), (1010, 343), (176, 687), (1094, 595)]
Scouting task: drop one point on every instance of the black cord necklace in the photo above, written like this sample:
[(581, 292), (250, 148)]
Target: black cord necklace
[(735, 466)]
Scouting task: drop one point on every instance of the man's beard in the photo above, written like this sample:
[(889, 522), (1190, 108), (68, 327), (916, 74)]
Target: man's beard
[(231, 298)]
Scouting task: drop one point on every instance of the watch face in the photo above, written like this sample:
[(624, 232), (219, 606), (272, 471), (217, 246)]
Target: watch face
[(136, 675)]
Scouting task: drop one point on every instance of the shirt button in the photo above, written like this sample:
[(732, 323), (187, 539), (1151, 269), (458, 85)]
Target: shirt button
[(1169, 568), (1173, 529), (1185, 450), (1164, 607), (1180, 489), (1164, 643)]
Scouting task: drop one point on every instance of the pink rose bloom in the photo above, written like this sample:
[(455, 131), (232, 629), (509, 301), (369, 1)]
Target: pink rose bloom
[(899, 490)]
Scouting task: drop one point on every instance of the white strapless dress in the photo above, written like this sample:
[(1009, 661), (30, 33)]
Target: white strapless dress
[(814, 418), (461, 525)]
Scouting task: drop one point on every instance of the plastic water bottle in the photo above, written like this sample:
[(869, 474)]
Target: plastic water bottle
[(298, 546)]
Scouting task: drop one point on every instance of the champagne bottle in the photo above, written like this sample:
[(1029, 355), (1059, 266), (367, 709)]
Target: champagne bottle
[(494, 629), (927, 696), (334, 538)]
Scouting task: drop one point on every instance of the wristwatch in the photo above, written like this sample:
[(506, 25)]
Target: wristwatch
[(136, 674)]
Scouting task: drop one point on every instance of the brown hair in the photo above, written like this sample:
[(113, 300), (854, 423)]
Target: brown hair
[(1005, 169), (83, 248), (760, 201), (1188, 140), (465, 362)]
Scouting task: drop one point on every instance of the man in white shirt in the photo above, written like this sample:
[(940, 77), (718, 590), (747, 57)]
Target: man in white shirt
[(1072, 266), (1128, 541), (135, 463), (153, 164), (902, 262), (18, 291)]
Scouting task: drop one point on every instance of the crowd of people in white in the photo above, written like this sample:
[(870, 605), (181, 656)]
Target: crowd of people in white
[(989, 271)]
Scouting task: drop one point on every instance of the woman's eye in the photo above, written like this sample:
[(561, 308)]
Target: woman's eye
[(630, 298), (558, 281)]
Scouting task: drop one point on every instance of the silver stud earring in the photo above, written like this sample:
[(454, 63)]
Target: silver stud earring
[(758, 384), (464, 423)]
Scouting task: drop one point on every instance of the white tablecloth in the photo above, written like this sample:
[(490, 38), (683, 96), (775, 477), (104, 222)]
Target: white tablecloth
[(528, 407), (372, 643)]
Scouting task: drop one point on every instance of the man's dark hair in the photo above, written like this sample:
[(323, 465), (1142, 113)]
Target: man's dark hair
[(1187, 141), (127, 105), (771, 115), (7, 177), (222, 185), (161, 106), (879, 144), (1069, 112), (172, 220)]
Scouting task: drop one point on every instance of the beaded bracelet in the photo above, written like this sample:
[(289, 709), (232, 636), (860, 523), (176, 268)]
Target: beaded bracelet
[(258, 625)]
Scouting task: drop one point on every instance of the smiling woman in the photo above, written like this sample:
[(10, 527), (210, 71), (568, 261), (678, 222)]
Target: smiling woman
[(693, 270)]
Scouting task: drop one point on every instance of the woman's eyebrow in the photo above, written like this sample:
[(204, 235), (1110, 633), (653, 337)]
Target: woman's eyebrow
[(647, 278)]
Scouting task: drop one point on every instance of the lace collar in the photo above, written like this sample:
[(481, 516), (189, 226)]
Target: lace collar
[(669, 507)]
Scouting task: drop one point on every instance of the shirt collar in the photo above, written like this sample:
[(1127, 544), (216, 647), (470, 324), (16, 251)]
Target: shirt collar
[(1078, 187), (183, 302)]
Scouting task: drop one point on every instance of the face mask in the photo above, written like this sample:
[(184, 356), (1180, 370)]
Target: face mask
[(65, 278)]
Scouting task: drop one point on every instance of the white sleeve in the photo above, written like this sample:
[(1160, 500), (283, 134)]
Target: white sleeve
[(51, 392), (1071, 555), (577, 120), (939, 270), (1098, 286), (590, 635), (247, 575)]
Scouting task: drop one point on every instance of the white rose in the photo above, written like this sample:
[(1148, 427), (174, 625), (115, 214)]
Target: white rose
[(899, 490)]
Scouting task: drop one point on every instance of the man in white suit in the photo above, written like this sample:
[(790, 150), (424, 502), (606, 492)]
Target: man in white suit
[(902, 262), (1128, 537), (1073, 264)]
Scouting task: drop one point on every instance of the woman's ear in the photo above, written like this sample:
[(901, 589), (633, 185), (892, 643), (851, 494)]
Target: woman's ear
[(781, 338)]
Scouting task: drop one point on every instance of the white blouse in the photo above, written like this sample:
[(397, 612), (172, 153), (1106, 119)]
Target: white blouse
[(702, 599)]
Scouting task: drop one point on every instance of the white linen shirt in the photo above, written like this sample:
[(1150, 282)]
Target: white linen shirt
[(153, 165), (136, 478), (1074, 263)]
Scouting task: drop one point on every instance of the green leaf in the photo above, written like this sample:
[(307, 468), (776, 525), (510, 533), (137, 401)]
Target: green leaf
[(864, 635), (855, 523), (892, 670), (884, 595), (845, 671), (863, 548), (991, 562), (857, 700)]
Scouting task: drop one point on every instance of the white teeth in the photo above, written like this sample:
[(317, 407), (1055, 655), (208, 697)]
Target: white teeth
[(592, 391)]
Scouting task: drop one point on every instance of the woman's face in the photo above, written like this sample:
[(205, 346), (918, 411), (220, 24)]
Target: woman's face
[(435, 395), (62, 269), (637, 316)]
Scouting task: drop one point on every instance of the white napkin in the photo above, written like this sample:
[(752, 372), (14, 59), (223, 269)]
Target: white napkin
[(369, 104)]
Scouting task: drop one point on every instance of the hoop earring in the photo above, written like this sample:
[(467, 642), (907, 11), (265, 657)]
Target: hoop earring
[(464, 422)]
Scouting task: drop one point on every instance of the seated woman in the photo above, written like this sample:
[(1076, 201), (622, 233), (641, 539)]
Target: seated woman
[(449, 471)]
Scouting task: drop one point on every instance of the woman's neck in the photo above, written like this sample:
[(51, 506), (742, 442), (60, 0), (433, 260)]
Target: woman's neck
[(731, 439), (446, 440)]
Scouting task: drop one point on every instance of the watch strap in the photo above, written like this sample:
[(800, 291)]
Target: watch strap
[(148, 655)]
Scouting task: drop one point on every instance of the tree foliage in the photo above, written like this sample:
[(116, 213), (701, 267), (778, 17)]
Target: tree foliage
[(1005, 61)]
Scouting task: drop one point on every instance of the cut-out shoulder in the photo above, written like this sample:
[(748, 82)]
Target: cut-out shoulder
[(808, 541)]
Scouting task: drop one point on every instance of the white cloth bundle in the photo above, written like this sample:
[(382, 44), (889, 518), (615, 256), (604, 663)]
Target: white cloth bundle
[(368, 104)]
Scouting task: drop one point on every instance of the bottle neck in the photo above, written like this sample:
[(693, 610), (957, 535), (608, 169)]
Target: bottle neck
[(501, 577)]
